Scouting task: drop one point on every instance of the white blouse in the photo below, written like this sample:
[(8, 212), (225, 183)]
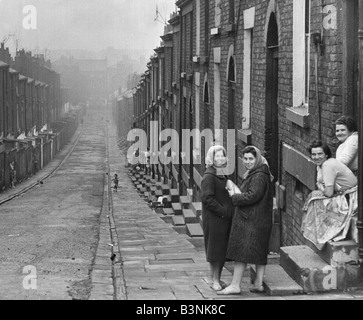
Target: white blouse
[(347, 152)]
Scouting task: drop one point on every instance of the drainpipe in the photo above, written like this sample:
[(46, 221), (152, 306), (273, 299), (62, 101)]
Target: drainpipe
[(181, 30), (360, 130)]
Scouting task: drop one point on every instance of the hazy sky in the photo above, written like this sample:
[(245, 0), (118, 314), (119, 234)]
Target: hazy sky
[(84, 24)]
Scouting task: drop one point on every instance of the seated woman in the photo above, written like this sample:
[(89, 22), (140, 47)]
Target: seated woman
[(347, 152), (328, 210)]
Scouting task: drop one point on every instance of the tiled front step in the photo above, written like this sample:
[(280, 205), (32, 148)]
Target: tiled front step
[(174, 194), (177, 208), (178, 221), (185, 202), (340, 253), (311, 272), (194, 230), (277, 282), (189, 216)]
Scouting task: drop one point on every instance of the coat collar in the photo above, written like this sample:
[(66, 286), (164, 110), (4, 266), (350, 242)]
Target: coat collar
[(262, 169)]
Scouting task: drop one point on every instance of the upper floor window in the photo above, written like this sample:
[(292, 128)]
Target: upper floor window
[(301, 52)]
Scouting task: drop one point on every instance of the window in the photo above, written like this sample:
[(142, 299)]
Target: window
[(206, 28), (301, 52), (249, 18)]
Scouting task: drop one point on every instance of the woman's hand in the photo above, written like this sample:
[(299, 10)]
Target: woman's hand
[(231, 192), (229, 185)]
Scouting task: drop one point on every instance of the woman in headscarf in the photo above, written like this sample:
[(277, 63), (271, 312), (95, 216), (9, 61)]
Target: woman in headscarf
[(216, 213), (252, 221)]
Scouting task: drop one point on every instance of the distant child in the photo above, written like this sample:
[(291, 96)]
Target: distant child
[(12, 174), (115, 181)]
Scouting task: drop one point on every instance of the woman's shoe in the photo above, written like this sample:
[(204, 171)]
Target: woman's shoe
[(259, 289), (229, 291)]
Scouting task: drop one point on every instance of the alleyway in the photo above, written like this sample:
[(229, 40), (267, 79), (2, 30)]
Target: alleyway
[(78, 239)]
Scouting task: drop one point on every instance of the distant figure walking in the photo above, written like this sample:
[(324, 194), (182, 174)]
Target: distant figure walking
[(115, 181)]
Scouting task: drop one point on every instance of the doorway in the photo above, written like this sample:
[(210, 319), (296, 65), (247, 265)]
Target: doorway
[(272, 110)]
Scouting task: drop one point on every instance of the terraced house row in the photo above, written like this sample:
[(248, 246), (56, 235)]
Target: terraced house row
[(32, 108), (278, 72)]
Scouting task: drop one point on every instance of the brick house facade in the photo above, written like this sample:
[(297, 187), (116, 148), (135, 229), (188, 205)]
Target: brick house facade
[(278, 72)]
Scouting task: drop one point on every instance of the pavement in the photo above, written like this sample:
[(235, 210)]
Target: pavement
[(150, 259)]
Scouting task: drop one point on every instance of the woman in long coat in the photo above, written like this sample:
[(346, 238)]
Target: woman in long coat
[(252, 221), (216, 213)]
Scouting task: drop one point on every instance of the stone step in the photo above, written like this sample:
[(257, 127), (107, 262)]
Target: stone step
[(185, 202), (143, 190), (194, 230), (158, 193), (153, 190), (165, 189), (177, 208), (277, 282), (167, 218), (310, 271), (174, 193), (196, 208), (180, 229), (189, 216), (178, 221), (340, 253), (168, 211)]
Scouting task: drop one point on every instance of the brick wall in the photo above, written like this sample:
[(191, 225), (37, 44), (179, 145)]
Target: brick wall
[(332, 93)]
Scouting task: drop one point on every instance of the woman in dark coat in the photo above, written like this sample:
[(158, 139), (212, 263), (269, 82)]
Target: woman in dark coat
[(252, 221), (216, 212)]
